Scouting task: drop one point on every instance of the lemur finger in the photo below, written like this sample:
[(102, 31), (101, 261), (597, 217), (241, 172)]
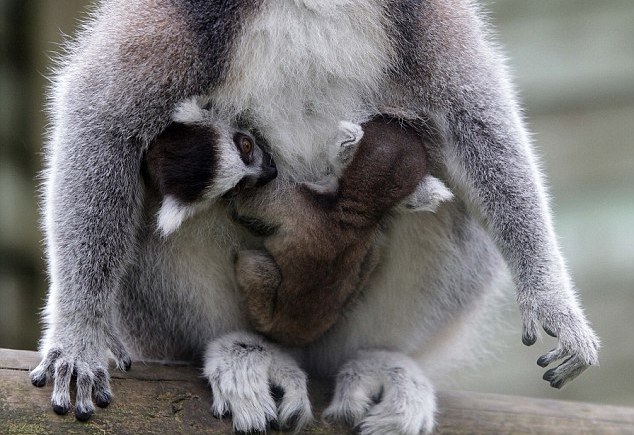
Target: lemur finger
[(122, 358), (349, 133), (290, 392), (549, 330), (529, 333), (40, 373), (219, 407), (565, 372), (354, 396), (553, 355), (101, 388), (62, 374), (84, 407)]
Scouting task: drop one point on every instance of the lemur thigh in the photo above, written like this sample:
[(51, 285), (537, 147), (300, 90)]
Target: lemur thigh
[(259, 277)]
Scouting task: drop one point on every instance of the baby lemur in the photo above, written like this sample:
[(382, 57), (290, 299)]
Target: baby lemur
[(320, 241)]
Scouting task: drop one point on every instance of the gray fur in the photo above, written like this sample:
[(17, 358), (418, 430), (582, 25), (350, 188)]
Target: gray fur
[(293, 69)]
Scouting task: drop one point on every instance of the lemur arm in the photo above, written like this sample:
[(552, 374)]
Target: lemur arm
[(489, 164)]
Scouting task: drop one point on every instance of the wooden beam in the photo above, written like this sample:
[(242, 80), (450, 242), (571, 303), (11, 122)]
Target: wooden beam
[(172, 399)]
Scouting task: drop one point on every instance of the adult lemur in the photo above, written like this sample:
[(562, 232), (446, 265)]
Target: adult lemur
[(292, 69)]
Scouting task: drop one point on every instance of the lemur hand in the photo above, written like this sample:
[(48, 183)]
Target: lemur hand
[(85, 356), (578, 344)]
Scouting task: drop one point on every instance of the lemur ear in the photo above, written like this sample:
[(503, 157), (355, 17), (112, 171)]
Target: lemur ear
[(172, 214), (429, 194)]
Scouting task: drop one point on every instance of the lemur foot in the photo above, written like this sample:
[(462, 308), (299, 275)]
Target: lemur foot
[(382, 392), (89, 364), (256, 383), (345, 143), (578, 344), (429, 194)]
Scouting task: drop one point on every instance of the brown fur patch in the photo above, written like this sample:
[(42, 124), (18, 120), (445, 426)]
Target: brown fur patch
[(325, 245)]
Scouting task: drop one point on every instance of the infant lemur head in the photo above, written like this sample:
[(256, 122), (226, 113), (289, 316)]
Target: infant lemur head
[(199, 159)]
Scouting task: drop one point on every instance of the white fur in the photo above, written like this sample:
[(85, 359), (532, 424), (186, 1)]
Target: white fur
[(407, 400), (429, 194), (242, 359), (231, 169), (172, 214), (190, 111), (306, 81)]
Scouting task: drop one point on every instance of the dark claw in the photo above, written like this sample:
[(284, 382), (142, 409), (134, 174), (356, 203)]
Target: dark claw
[(543, 361), (376, 399), (277, 393), (557, 384), (550, 332), (127, 363), (227, 414), (103, 400), (549, 375), (275, 425), (83, 415), (39, 381), (292, 422), (529, 339), (61, 409)]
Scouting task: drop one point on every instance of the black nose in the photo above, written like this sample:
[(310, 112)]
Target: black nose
[(269, 172), (268, 169)]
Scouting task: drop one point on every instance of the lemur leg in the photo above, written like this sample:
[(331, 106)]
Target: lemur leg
[(383, 392), (256, 383), (259, 278)]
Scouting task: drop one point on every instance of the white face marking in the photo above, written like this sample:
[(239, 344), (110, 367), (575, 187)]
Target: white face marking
[(172, 214), (299, 68), (231, 169)]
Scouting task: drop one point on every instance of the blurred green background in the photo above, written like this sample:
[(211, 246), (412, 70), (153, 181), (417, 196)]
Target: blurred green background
[(573, 61)]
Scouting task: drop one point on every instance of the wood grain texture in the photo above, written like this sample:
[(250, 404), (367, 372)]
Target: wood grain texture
[(155, 398)]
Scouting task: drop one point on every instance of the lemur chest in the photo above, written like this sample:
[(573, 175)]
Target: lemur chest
[(298, 68)]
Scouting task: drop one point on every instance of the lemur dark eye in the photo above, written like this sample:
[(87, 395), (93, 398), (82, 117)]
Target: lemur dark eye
[(246, 145)]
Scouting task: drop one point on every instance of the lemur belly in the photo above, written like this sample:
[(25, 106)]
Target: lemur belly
[(296, 71)]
